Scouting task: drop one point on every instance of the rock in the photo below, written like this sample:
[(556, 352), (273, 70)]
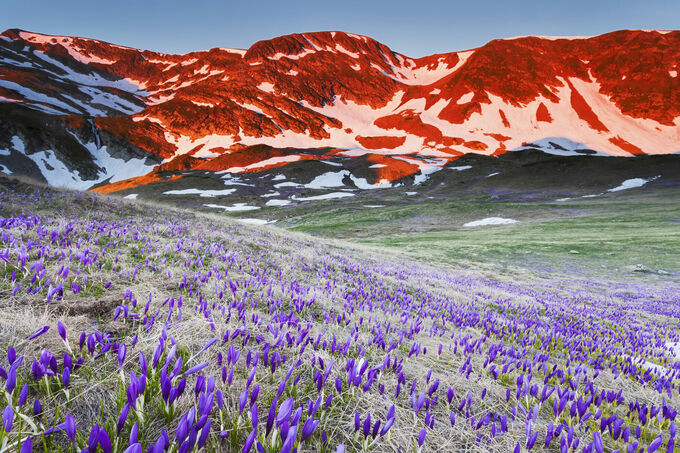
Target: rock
[(636, 268)]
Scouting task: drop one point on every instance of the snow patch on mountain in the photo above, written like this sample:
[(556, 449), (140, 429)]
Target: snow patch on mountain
[(237, 207), (327, 196), (280, 55), (363, 184), (111, 169), (560, 146), (490, 221), (277, 202), (272, 161), (464, 99), (341, 49), (425, 167), (255, 221), (201, 193), (67, 43), (328, 180), (410, 73), (267, 87), (633, 183), (38, 100), (91, 78)]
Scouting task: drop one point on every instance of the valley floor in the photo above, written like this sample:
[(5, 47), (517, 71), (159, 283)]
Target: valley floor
[(626, 236), (138, 327)]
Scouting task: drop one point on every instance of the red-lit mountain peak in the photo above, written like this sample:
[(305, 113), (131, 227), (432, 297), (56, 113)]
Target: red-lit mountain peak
[(616, 93)]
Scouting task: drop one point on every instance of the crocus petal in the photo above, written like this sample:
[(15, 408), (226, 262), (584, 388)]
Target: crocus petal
[(249, 441), (7, 418), (196, 368), (27, 446), (421, 437), (62, 330), (39, 332)]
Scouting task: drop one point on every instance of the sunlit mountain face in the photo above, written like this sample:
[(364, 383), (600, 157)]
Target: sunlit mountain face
[(85, 114)]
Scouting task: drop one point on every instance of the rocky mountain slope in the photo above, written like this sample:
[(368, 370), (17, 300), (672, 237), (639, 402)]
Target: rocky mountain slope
[(84, 114)]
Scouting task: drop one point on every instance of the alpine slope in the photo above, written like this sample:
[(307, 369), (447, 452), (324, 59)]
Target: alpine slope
[(86, 114)]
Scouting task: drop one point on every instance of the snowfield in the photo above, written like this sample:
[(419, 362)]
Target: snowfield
[(327, 196), (633, 183), (201, 193), (490, 221), (237, 207)]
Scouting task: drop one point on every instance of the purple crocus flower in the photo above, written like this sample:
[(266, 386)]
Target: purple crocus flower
[(386, 427), (122, 418), (208, 344), (254, 416), (23, 395), (133, 434), (104, 440), (450, 393), (70, 427), (142, 362), (92, 439), (39, 332), (254, 394), (182, 429), (204, 435), (62, 330), (242, 400), (290, 440), (532, 440), (367, 425), (597, 442), (421, 437), (11, 379), (122, 352), (196, 368), (7, 418), (249, 441), (656, 443), (27, 446), (285, 410), (66, 377), (309, 428), (271, 416), (134, 448), (376, 427), (219, 397)]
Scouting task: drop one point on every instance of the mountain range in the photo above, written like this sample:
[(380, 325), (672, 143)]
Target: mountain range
[(340, 110)]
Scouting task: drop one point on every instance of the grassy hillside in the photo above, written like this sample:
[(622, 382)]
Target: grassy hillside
[(136, 327), (607, 235)]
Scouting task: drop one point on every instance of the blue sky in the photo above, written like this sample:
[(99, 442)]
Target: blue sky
[(412, 27)]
